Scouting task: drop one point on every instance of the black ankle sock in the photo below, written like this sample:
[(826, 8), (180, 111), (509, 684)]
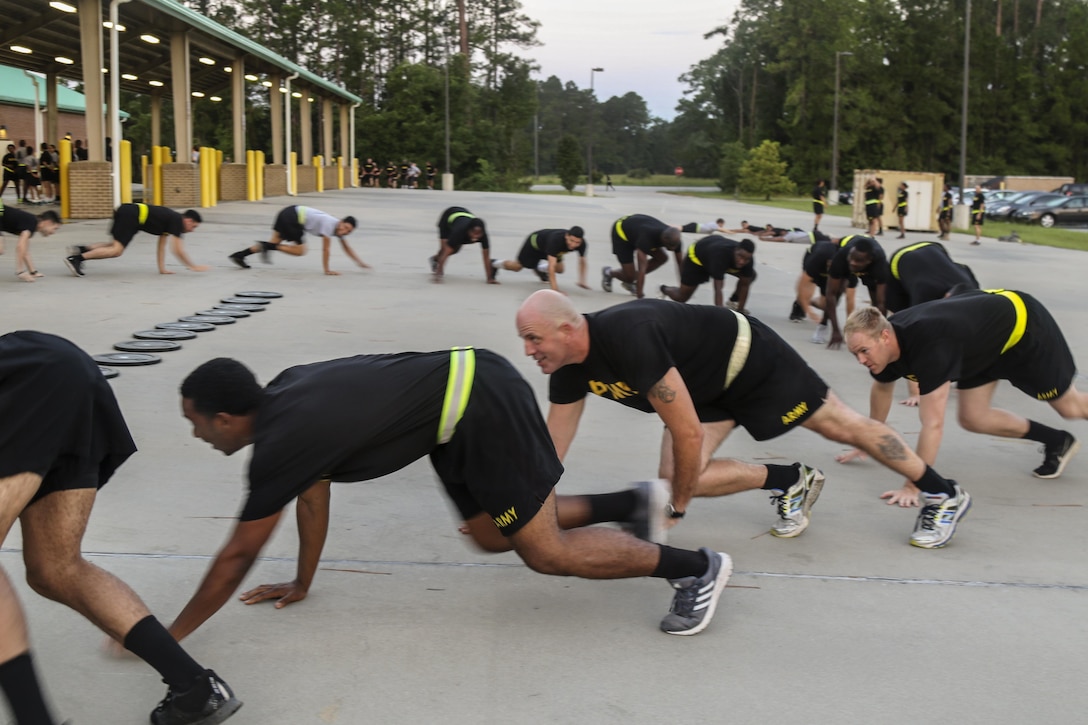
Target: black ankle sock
[(612, 506), (932, 483), (243, 253), (780, 478), (150, 641), (679, 563), (20, 684), (1049, 437)]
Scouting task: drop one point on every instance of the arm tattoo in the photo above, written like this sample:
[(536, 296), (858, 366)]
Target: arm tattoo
[(891, 448), (663, 392)]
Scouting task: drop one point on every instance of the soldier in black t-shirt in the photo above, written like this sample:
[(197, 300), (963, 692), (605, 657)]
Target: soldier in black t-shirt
[(637, 242), (978, 214), (924, 272), (973, 340), (24, 224), (713, 257), (858, 259), (705, 371), (128, 219), (543, 253), (819, 202), (62, 438), (944, 215), (359, 418), (457, 226), (901, 199), (872, 206), (11, 171), (430, 171)]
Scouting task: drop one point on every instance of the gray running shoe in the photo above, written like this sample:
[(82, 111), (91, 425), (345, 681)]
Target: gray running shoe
[(434, 263), (1055, 459), (648, 520), (696, 598), (937, 521), (630, 287), (543, 276), (793, 506), (820, 335), (606, 279), (219, 706)]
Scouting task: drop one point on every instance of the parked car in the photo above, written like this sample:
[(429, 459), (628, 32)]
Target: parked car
[(1003, 210), (846, 197), (1072, 189), (996, 195), (1066, 210)]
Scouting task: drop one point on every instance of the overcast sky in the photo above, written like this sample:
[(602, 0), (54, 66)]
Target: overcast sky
[(643, 45)]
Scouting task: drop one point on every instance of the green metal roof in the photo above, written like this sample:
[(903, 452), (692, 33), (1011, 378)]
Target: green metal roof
[(16, 89)]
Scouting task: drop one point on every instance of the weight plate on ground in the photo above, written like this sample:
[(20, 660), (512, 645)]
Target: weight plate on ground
[(244, 301), (259, 294), (164, 335), (228, 313), (127, 358), (108, 373), (243, 308), (209, 319), (146, 346), (190, 326)]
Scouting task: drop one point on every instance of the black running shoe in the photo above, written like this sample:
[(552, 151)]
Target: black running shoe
[(219, 706), (1056, 458), (75, 263), (796, 314), (239, 258)]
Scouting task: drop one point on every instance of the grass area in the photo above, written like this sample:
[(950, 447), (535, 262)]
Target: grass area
[(1029, 233), (624, 180)]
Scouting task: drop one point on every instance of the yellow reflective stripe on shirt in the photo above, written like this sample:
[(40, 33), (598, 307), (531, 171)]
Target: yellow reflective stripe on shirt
[(619, 229), (845, 240), (458, 215), (532, 241), (144, 210), (901, 252), (458, 388), (1021, 316), (692, 257), (301, 212), (741, 347)]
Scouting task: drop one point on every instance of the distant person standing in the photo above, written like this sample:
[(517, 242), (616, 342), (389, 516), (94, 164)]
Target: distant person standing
[(80, 152), (901, 198), (819, 202), (608, 183), (944, 216), (430, 175), (880, 205), (978, 214), (872, 206)]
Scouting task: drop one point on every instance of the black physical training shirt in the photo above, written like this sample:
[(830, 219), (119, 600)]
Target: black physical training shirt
[(840, 263), (641, 230), (901, 198), (718, 257), (17, 221), (818, 194), (978, 203), (819, 258), (352, 419), (633, 345), (950, 339), (553, 243), (161, 220)]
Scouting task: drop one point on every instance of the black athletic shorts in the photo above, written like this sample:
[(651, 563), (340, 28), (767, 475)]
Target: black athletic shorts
[(775, 391), (978, 217), (126, 223), (872, 211), (10, 176), (288, 226), (690, 228), (501, 458), (692, 274), (817, 207), (1040, 365), (58, 415), (528, 255)]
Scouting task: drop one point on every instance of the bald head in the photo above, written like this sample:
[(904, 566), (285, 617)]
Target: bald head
[(554, 333)]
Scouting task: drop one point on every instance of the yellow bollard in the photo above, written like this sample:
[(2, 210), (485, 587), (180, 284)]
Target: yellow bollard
[(126, 171), (339, 172), (260, 175), (202, 168), (251, 175), (162, 153), (217, 178), (354, 173), (65, 151), (143, 176), (319, 167), (293, 161)]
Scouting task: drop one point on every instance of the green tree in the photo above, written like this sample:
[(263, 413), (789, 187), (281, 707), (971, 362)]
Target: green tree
[(733, 157), (764, 173), (569, 159)]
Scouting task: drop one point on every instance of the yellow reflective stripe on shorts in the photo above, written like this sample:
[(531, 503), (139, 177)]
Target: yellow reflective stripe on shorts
[(458, 388), (300, 211), (692, 257), (1021, 316), (741, 347), (143, 211), (619, 229), (901, 252)]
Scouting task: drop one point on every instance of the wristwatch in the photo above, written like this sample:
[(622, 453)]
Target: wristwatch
[(672, 513)]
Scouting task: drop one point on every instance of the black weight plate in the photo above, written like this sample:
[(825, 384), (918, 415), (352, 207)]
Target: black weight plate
[(164, 335), (243, 308), (229, 312), (244, 301), (127, 358), (190, 326), (259, 294), (108, 373), (146, 346), (209, 319)]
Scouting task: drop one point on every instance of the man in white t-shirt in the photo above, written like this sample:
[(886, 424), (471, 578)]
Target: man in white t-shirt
[(289, 232)]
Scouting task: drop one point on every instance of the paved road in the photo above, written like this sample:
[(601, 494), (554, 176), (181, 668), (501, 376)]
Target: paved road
[(406, 624)]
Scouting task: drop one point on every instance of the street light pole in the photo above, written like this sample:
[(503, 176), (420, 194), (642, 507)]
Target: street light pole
[(447, 172), (589, 163), (963, 117), (833, 193)]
